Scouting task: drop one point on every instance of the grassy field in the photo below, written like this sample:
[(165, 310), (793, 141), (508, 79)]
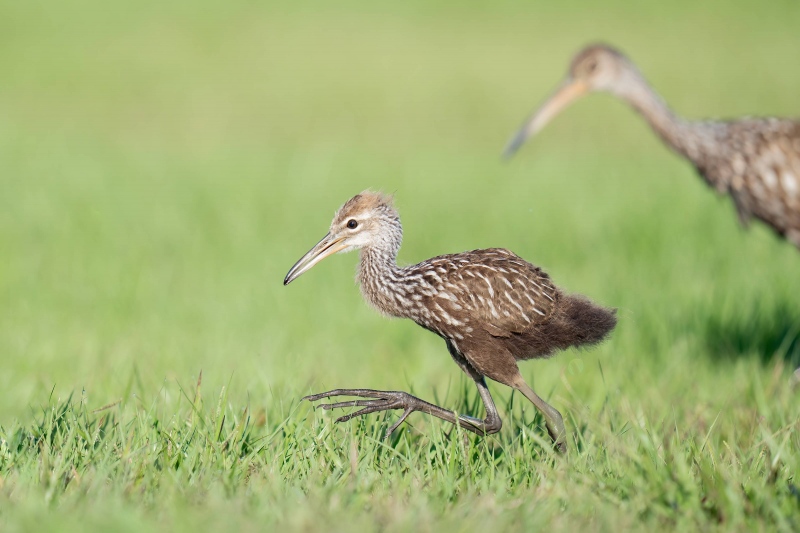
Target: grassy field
[(162, 165)]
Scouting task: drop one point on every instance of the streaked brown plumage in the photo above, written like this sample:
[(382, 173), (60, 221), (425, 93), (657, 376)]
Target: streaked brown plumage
[(755, 160), (490, 306)]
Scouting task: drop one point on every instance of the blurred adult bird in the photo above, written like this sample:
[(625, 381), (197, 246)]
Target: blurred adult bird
[(491, 307), (755, 160)]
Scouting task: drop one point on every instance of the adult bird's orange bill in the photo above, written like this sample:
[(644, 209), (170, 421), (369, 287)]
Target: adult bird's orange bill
[(569, 91), (754, 160), (491, 307)]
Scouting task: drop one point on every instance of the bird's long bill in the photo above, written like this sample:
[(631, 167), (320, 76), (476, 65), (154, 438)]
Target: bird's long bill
[(327, 246), (569, 91)]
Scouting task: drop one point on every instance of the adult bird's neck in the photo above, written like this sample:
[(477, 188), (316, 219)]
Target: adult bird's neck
[(678, 133)]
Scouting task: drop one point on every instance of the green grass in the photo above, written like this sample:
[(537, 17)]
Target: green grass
[(163, 165)]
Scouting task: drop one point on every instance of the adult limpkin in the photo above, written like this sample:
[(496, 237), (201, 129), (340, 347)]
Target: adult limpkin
[(491, 307), (755, 160)]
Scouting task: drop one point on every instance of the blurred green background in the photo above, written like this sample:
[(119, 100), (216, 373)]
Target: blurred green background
[(163, 164)]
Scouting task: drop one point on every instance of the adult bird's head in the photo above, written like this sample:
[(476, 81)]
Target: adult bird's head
[(595, 68), (367, 220)]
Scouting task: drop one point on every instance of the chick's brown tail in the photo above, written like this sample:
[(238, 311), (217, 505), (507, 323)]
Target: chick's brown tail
[(580, 322)]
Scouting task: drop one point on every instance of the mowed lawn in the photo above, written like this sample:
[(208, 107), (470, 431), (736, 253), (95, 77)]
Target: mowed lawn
[(163, 164)]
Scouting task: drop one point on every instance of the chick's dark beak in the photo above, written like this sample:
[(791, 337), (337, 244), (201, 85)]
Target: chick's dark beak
[(329, 245)]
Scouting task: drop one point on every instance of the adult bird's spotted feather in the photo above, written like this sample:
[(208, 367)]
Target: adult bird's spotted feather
[(754, 160)]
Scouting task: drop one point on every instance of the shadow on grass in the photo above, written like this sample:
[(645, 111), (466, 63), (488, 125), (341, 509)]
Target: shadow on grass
[(772, 333)]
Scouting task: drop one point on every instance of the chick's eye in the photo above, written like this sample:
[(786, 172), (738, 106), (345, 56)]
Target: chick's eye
[(352, 224)]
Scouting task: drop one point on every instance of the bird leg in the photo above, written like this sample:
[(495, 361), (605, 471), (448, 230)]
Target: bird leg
[(552, 418), (390, 400)]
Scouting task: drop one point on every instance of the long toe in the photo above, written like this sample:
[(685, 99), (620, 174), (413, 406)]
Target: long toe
[(365, 411), (378, 401), (364, 393), (348, 403), (397, 423)]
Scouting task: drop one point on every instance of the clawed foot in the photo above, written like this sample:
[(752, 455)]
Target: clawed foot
[(555, 428), (373, 401), (560, 445), (379, 401)]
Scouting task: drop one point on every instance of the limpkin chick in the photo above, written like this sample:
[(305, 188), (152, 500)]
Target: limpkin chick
[(491, 307), (755, 160)]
